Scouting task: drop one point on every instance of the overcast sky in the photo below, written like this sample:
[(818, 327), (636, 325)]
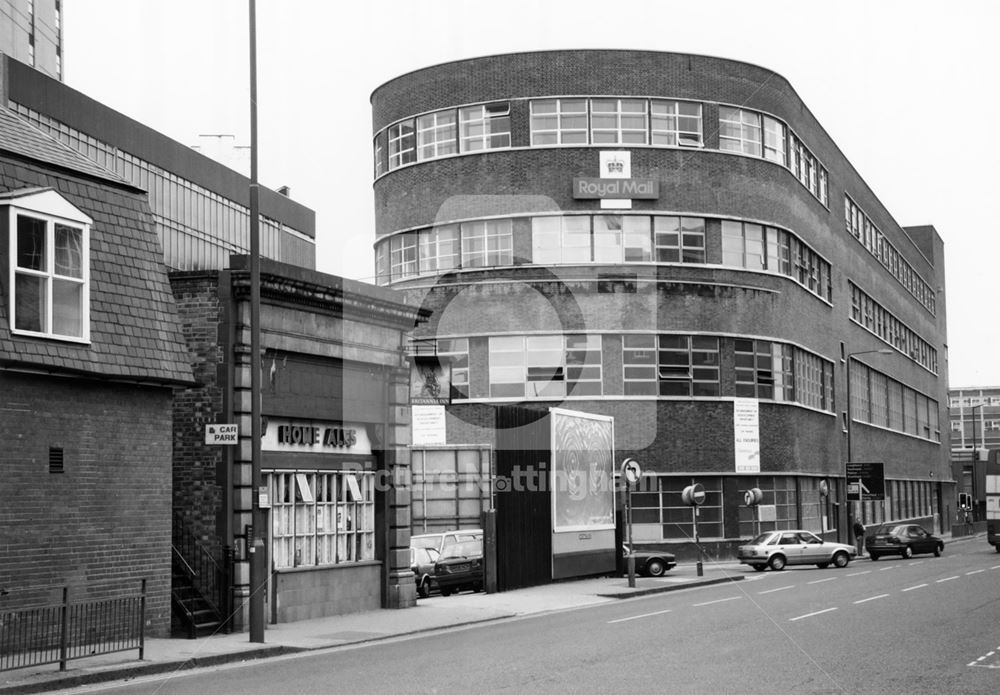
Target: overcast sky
[(906, 89)]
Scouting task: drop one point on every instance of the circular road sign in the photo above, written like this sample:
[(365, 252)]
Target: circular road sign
[(693, 494), (631, 470)]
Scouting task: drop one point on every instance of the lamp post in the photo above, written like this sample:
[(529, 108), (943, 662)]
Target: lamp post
[(850, 418)]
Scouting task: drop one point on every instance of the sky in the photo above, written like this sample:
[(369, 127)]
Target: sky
[(906, 89)]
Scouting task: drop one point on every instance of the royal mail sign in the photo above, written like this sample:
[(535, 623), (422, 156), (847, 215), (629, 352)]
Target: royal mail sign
[(588, 188)]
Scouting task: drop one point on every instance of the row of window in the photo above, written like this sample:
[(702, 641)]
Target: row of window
[(877, 319), (969, 401), (50, 293), (987, 425), (321, 518), (878, 399), (612, 239), (199, 228), (759, 135), (660, 514), (557, 366), (868, 235), (604, 121)]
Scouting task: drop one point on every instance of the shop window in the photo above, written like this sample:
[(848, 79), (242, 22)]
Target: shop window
[(321, 518), (676, 515), (49, 248), (779, 493)]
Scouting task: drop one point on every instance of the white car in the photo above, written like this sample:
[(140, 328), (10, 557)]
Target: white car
[(775, 549)]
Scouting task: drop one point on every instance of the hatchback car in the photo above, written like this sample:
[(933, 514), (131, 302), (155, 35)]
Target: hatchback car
[(651, 562), (439, 541), (775, 549), (422, 564), (904, 540), (460, 566)]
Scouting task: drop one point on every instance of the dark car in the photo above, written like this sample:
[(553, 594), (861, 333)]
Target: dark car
[(651, 562), (460, 566), (904, 540), (422, 564)]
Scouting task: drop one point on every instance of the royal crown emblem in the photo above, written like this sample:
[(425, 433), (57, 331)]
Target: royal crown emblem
[(616, 166)]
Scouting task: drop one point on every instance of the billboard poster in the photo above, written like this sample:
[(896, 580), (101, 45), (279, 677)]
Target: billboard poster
[(583, 496), (430, 382), (746, 435)]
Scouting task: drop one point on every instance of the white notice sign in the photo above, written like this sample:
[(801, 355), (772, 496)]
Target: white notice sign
[(222, 434), (746, 433), (428, 425)]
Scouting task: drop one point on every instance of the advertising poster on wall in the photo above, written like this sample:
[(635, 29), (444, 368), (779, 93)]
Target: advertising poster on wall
[(746, 435), (582, 471)]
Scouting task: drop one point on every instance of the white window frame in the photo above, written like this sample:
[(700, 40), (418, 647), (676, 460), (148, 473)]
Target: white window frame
[(747, 136), (564, 134), (671, 133), (402, 138), (495, 245), (52, 209), (484, 127), (623, 131), (437, 135)]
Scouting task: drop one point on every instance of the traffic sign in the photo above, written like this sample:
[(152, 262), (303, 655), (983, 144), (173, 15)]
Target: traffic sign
[(693, 494), (865, 481), (631, 470)]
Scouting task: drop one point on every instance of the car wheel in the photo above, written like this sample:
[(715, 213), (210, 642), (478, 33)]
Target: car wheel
[(841, 559), (822, 565), (906, 553), (424, 589), (446, 591), (655, 568), (760, 567), (937, 549), (997, 546), (873, 556), (777, 562)]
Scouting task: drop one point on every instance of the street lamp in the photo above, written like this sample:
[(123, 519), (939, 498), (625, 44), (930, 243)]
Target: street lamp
[(850, 416)]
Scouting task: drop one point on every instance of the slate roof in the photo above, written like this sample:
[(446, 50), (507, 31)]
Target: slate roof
[(135, 332)]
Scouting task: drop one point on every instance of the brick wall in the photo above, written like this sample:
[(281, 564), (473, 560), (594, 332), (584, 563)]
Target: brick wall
[(104, 523), (197, 493)]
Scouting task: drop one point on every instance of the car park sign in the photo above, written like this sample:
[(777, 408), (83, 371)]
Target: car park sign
[(865, 481)]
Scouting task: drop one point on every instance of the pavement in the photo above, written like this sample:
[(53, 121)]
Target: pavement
[(169, 655)]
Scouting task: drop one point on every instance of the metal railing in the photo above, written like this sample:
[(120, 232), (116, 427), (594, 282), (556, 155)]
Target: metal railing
[(208, 576), (71, 630)]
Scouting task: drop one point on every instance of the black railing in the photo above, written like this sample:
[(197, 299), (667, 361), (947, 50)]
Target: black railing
[(71, 630), (209, 577)]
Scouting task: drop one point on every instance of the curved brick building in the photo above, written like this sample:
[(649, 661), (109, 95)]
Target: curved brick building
[(675, 241)]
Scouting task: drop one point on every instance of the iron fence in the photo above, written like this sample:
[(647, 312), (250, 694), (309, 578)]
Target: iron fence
[(71, 630)]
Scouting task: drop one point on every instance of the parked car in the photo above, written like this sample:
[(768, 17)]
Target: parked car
[(460, 566), (422, 564), (904, 540), (651, 562), (775, 549), (438, 541)]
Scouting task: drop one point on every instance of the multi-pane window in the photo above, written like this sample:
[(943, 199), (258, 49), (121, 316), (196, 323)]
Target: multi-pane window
[(402, 144), (545, 366), (868, 235), (813, 380), (485, 127), (50, 293), (439, 249), (877, 319), (764, 370), (679, 239), (774, 140), (559, 122), (670, 365), (675, 123), (638, 245), (436, 135), (753, 246), (403, 255), (675, 515), (561, 239), (455, 351), (382, 264), (618, 121), (880, 400), (321, 518), (379, 164), (778, 491), (487, 243), (739, 130)]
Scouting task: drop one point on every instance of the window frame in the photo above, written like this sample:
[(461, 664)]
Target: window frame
[(51, 209), (485, 120)]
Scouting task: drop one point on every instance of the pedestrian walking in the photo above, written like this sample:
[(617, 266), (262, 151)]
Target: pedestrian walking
[(859, 537)]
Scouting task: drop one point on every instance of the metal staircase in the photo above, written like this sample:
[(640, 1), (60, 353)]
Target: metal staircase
[(199, 585)]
